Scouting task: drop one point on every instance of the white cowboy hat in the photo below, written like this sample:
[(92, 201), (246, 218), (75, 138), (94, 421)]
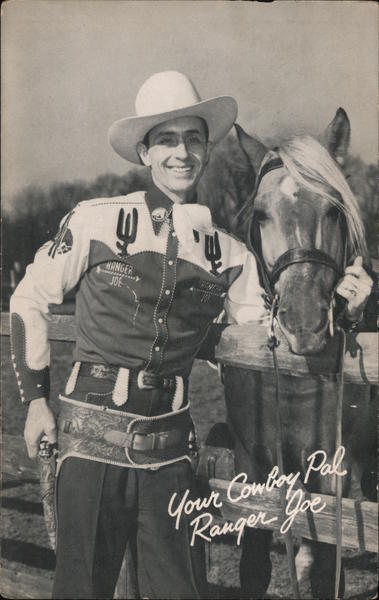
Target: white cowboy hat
[(166, 96)]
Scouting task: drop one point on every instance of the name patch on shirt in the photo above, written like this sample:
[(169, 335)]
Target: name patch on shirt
[(118, 273), (208, 291)]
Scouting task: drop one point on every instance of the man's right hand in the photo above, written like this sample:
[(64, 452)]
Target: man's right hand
[(40, 421)]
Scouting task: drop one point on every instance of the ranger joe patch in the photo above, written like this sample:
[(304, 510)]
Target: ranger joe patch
[(118, 273)]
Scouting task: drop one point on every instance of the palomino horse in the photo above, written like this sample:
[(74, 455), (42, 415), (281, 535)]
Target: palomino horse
[(302, 203)]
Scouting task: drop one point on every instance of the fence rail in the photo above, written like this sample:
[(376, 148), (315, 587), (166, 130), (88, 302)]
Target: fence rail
[(246, 346)]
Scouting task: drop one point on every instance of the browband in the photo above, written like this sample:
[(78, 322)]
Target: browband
[(270, 165)]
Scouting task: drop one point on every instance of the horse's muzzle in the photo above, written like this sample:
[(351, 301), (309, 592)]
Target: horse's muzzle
[(309, 337)]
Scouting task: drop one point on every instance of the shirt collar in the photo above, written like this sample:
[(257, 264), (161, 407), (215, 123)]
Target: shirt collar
[(155, 200)]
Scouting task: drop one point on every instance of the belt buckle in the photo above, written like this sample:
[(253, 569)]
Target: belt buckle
[(153, 436), (140, 382)]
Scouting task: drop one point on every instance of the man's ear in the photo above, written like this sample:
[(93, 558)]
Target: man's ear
[(336, 137), (143, 154), (208, 152)]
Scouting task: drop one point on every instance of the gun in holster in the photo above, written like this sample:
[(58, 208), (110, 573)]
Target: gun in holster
[(47, 455)]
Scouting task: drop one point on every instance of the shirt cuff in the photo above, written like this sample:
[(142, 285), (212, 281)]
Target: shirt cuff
[(32, 383)]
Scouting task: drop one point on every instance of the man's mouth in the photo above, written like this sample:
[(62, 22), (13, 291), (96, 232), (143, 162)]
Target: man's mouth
[(181, 170)]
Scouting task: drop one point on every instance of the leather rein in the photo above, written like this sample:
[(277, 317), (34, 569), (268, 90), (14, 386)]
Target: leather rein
[(268, 280)]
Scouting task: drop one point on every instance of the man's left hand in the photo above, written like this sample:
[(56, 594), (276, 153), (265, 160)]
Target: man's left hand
[(356, 287)]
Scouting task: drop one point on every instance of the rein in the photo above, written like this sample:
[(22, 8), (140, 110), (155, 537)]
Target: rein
[(268, 280)]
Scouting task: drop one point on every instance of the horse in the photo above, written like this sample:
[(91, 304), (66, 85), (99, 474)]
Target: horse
[(302, 209)]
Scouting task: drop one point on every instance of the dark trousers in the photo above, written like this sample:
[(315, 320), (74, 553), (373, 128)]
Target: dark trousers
[(100, 507)]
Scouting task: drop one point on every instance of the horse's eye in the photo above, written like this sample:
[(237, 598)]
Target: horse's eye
[(261, 216), (333, 213)]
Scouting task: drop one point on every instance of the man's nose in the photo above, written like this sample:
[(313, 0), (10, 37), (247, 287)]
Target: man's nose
[(181, 150)]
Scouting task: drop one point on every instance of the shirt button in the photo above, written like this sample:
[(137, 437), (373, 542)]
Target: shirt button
[(160, 320), (173, 234), (168, 292), (170, 262), (157, 348)]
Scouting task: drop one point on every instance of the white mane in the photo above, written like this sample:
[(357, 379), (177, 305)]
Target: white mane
[(312, 166)]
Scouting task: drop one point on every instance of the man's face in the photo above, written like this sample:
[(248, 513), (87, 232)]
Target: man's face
[(177, 153)]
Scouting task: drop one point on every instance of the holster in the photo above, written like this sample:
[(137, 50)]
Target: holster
[(47, 470), (124, 439)]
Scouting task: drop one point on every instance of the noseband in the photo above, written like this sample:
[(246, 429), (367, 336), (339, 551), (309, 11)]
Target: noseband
[(290, 257)]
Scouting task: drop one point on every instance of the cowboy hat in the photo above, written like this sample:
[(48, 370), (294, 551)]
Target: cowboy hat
[(165, 96)]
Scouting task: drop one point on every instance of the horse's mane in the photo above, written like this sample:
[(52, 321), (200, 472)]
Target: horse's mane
[(311, 165)]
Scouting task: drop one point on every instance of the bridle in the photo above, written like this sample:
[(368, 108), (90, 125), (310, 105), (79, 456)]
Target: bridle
[(289, 257), (268, 279)]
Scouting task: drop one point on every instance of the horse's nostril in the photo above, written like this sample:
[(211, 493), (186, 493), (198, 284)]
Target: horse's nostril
[(323, 323), (288, 320)]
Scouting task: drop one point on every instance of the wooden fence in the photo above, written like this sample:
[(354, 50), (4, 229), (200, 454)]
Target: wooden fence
[(245, 347)]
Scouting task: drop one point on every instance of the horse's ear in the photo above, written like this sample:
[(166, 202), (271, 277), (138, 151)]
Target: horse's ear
[(254, 149), (336, 137)]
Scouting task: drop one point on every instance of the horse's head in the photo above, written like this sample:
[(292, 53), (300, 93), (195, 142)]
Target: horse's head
[(304, 226)]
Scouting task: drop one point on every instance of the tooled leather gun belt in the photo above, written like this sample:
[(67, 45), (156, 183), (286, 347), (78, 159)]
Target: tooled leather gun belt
[(125, 439)]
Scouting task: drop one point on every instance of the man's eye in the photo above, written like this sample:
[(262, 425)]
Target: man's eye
[(166, 141), (194, 139)]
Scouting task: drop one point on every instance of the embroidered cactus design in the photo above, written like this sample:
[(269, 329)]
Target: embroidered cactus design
[(126, 231), (213, 252)]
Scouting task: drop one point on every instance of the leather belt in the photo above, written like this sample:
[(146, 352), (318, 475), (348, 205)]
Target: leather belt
[(144, 379), (124, 439), (136, 440), (146, 441)]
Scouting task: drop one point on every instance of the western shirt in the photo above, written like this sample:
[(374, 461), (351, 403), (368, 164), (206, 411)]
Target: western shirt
[(151, 278)]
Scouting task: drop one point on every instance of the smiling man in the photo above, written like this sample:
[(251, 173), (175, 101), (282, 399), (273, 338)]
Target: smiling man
[(152, 274), (177, 171)]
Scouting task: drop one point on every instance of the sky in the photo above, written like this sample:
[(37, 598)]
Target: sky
[(72, 67)]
